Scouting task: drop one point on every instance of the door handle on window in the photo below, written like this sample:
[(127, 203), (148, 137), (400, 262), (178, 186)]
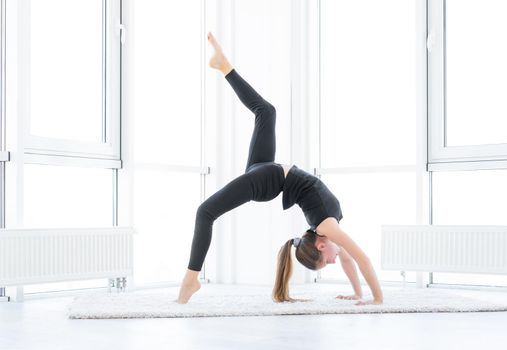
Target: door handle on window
[(430, 42), (122, 33)]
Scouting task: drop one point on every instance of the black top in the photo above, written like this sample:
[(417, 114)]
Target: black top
[(296, 184), (312, 196), (299, 187)]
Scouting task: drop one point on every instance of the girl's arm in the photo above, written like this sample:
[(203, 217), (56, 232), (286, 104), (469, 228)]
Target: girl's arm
[(332, 230), (349, 267), (365, 266)]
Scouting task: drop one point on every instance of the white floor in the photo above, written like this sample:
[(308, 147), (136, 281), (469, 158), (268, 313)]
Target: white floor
[(43, 324)]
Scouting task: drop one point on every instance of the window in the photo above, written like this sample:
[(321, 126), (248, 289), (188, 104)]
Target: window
[(67, 70), (467, 81)]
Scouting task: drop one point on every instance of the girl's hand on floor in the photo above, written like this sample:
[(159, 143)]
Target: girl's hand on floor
[(349, 297), (369, 302)]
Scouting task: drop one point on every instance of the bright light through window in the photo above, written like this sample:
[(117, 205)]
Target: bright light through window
[(66, 69), (368, 82), (476, 72)]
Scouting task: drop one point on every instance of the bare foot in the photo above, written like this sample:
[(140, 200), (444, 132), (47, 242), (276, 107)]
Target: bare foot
[(218, 60), (187, 289), (349, 297)]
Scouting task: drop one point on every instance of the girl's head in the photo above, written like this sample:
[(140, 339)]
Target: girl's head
[(314, 252)]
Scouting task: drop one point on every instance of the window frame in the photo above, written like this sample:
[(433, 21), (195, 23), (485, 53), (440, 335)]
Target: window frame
[(441, 156), (48, 150)]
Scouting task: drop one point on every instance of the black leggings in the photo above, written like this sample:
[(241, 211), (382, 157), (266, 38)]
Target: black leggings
[(238, 191)]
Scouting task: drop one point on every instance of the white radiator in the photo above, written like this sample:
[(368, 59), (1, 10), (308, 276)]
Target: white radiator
[(444, 248), (29, 256)]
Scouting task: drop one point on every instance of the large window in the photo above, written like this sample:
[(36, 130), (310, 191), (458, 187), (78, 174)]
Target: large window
[(467, 118), (368, 115), (65, 117), (64, 56), (62, 90)]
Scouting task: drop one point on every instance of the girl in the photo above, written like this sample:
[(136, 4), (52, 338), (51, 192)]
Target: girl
[(262, 181)]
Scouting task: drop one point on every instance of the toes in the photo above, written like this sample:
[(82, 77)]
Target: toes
[(213, 42)]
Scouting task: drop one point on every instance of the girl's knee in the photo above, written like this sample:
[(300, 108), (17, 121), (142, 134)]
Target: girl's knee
[(265, 108), (270, 109), (266, 112), (204, 212)]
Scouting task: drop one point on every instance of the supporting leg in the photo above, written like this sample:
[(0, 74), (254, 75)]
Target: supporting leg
[(235, 193)]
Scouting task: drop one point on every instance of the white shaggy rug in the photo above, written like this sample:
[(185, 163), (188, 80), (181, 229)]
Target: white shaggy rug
[(233, 301)]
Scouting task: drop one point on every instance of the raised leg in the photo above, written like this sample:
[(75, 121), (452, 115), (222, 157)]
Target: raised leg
[(263, 140)]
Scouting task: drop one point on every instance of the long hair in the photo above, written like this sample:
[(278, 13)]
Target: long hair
[(306, 253)]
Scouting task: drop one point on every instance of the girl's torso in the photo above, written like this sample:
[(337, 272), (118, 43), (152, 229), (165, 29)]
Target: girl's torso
[(312, 196), (268, 179)]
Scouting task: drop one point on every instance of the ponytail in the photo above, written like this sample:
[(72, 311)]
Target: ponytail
[(306, 253), (283, 273)]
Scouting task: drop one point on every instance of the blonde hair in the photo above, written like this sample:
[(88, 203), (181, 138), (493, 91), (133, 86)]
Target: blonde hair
[(306, 253)]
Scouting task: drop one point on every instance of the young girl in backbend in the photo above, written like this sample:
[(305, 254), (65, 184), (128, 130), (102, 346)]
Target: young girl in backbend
[(262, 181)]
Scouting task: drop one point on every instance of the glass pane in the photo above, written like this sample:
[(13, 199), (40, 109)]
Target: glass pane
[(476, 72), (470, 198), (66, 69), (368, 102), (369, 201), (476, 197), (166, 89), (61, 196), (164, 205)]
